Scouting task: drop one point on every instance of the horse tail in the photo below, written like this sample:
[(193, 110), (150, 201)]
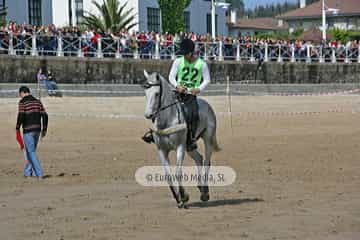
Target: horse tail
[(215, 144)]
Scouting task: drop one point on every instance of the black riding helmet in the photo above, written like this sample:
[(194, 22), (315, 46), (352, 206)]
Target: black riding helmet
[(187, 46)]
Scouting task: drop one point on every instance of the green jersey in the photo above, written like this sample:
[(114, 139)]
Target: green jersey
[(190, 74)]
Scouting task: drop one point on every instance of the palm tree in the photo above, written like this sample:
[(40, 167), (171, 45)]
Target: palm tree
[(113, 16)]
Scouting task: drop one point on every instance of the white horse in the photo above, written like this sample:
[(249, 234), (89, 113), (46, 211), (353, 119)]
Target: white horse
[(163, 107)]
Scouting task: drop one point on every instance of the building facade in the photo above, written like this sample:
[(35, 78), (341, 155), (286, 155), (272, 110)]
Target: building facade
[(35, 12), (148, 15), (343, 14)]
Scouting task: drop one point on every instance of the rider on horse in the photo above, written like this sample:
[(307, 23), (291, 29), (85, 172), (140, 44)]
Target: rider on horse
[(190, 76)]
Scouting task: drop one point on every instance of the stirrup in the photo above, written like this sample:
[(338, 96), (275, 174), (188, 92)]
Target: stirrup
[(148, 137)]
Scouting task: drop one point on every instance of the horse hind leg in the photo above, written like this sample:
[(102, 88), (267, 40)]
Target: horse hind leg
[(198, 159)]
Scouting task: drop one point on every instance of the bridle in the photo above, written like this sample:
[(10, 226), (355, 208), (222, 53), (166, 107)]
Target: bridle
[(159, 108)]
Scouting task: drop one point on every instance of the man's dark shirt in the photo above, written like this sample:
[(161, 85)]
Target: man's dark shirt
[(31, 112)]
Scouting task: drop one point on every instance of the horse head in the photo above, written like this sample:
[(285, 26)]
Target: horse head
[(152, 87)]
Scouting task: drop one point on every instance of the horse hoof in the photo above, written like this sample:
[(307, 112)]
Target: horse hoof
[(205, 197), (185, 198), (183, 205)]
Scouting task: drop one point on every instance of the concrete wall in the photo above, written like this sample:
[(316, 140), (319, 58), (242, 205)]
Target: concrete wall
[(18, 69)]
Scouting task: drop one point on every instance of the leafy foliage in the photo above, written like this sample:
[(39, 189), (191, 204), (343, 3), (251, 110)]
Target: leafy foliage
[(340, 35), (344, 35), (113, 16), (275, 35), (297, 32), (172, 12)]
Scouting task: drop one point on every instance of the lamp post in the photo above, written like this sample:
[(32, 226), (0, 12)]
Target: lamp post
[(73, 11), (323, 21), (324, 10), (215, 4), (213, 21)]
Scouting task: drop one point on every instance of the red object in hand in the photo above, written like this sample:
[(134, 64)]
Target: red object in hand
[(19, 139)]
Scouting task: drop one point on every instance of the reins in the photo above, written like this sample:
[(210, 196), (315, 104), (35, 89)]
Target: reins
[(160, 108)]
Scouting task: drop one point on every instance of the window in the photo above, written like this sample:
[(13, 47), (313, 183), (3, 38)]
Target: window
[(2, 4), (187, 21), (35, 12), (79, 9), (153, 19), (208, 23)]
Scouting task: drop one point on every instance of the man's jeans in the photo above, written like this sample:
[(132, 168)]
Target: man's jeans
[(33, 167), (49, 85)]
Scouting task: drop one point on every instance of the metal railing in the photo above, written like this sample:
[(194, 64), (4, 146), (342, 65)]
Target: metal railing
[(70, 46)]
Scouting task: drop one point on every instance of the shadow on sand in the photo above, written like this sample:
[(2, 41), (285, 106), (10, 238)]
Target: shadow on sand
[(224, 202)]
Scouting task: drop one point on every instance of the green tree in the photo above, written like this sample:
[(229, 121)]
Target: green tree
[(340, 34), (271, 10), (172, 13), (113, 16), (298, 32)]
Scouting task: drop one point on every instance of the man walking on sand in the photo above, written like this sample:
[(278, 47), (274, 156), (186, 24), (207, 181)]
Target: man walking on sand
[(33, 119)]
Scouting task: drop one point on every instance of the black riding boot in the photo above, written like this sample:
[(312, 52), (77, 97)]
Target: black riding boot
[(148, 137), (192, 121)]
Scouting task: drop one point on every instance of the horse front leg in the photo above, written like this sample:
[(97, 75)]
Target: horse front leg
[(205, 196), (164, 159), (180, 154)]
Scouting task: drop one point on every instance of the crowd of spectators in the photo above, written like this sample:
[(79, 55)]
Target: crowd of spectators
[(72, 41)]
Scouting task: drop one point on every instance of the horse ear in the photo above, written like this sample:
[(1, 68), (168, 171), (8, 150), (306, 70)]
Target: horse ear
[(146, 74)]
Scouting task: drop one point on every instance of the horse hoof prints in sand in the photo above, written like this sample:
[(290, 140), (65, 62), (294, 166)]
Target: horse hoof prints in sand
[(165, 110)]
